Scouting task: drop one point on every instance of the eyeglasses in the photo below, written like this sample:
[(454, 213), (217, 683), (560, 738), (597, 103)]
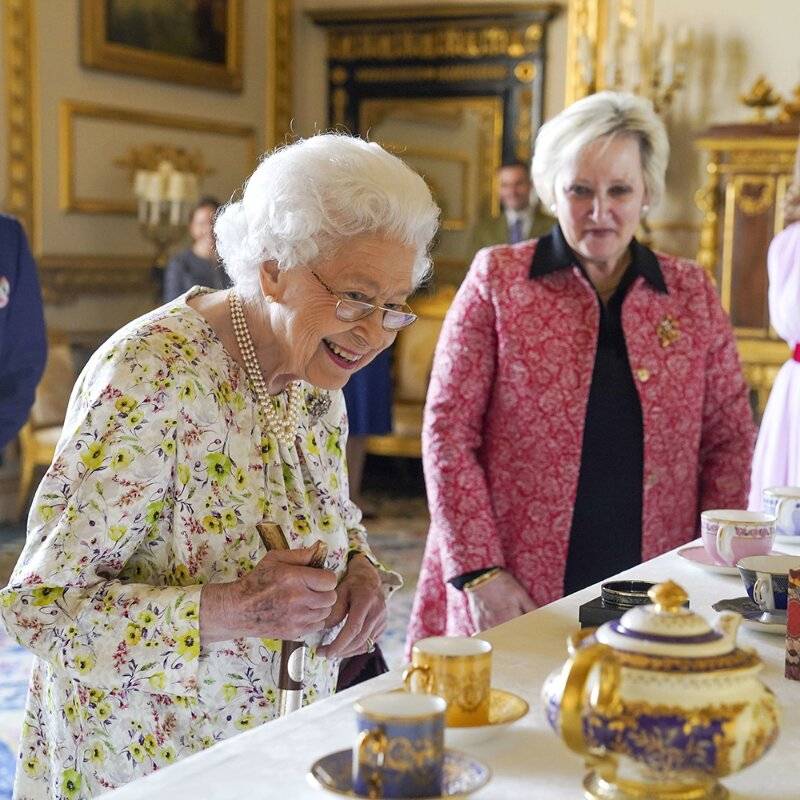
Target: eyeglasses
[(394, 318)]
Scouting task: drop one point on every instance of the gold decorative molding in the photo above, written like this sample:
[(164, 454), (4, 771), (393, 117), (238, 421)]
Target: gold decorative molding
[(434, 74), (278, 118), (523, 133), (586, 31), (749, 203), (21, 114), (70, 110), (443, 43), (490, 114), (448, 221), (64, 278), (706, 199), (98, 52)]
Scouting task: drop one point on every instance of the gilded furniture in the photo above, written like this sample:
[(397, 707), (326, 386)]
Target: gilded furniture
[(40, 434), (748, 172)]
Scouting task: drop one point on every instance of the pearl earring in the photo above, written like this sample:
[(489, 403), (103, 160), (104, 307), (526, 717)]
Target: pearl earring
[(553, 207), (269, 299), (645, 210)]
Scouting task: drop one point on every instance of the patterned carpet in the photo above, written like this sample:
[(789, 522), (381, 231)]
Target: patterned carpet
[(397, 535)]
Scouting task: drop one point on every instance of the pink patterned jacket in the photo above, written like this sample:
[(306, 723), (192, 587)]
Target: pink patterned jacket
[(505, 412)]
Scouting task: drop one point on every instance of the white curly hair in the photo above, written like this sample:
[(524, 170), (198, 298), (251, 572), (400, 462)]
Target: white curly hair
[(306, 199)]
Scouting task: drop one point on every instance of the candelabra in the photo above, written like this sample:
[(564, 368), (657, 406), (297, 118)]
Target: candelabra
[(647, 62), (165, 199), (165, 182)]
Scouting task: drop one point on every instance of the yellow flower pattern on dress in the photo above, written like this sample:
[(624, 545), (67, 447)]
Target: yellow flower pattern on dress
[(156, 487)]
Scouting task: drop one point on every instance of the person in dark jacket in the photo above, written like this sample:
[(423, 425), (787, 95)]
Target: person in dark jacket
[(198, 264), (23, 345)]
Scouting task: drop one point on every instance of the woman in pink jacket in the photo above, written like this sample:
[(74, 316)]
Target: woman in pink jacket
[(586, 401)]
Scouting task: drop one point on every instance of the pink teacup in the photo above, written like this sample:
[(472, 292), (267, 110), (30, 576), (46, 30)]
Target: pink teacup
[(729, 534)]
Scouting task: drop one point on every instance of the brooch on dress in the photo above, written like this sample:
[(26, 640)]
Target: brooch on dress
[(667, 331), (317, 404)]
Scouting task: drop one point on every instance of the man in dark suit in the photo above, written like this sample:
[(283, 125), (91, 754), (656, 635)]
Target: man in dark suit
[(23, 346), (519, 219)]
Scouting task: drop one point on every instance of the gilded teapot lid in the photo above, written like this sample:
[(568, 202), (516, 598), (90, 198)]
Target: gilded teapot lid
[(667, 628)]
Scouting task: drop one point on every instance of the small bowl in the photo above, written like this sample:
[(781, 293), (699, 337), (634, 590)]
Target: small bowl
[(625, 594)]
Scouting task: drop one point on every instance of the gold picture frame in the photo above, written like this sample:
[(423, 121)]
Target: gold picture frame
[(221, 69)]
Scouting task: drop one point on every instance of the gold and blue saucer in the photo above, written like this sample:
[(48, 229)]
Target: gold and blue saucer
[(753, 617), (462, 774), (505, 708)]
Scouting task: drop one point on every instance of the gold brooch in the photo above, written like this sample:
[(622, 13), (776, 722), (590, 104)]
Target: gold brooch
[(667, 331)]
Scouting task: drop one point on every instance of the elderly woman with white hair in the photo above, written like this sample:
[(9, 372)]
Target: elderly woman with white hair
[(586, 401), (154, 609)]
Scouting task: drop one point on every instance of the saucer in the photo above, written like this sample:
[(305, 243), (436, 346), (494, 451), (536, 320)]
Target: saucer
[(785, 538), (753, 615), (696, 554), (463, 774), (504, 708)]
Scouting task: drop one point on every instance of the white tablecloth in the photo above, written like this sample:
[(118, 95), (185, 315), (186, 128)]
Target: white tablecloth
[(528, 762)]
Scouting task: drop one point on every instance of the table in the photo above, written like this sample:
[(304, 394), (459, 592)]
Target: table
[(529, 761)]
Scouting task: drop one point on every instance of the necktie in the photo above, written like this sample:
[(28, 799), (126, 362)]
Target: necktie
[(515, 231)]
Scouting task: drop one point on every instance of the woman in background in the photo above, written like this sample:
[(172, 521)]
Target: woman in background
[(198, 265), (777, 457), (586, 401)]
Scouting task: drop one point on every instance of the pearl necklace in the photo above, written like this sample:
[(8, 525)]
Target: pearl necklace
[(284, 428)]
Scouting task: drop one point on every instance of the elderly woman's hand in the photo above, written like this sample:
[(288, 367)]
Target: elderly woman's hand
[(497, 601), (282, 598), (360, 599)]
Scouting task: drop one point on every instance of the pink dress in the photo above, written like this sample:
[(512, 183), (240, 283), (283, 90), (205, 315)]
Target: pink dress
[(505, 413), (777, 455)]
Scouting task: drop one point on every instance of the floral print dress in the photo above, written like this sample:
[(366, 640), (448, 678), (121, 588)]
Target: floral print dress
[(163, 469)]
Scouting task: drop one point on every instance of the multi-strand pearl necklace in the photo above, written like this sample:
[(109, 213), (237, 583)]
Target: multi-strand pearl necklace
[(284, 428)]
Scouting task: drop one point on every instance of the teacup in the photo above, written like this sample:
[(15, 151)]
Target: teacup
[(457, 668), (766, 580), (400, 747), (730, 535), (784, 503)]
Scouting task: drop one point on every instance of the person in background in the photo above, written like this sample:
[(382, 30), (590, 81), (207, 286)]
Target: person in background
[(153, 608), (23, 343), (776, 461), (520, 219), (368, 397), (586, 401), (197, 265)]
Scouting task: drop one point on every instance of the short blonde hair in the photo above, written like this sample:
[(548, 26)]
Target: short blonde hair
[(587, 120), (305, 200)]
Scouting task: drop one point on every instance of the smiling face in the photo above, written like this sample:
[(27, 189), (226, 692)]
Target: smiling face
[(201, 225), (317, 346), (599, 199)]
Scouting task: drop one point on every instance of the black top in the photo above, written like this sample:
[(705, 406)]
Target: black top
[(606, 533), (186, 269)]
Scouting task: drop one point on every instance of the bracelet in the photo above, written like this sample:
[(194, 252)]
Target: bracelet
[(481, 579)]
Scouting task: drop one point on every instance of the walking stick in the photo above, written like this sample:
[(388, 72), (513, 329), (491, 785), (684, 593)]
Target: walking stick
[(293, 654)]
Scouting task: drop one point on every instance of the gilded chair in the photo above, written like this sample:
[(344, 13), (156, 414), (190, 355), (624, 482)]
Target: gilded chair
[(413, 358), (41, 432)]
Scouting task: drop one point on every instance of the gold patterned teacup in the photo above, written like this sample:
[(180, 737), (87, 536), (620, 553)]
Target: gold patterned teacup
[(457, 668), (400, 747)]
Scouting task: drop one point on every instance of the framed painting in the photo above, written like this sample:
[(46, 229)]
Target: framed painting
[(198, 43)]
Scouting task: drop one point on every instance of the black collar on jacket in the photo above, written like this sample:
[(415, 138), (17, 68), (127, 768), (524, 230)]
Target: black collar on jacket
[(553, 253)]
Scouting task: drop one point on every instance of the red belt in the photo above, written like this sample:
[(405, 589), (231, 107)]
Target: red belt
[(796, 354)]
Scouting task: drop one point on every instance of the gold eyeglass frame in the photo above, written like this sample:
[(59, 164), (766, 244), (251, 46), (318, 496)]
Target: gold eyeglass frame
[(369, 308)]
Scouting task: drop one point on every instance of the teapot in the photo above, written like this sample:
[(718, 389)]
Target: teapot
[(661, 704)]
